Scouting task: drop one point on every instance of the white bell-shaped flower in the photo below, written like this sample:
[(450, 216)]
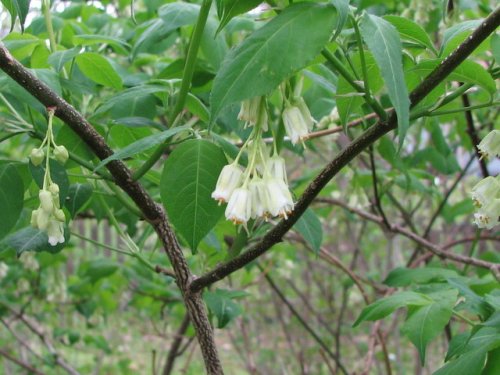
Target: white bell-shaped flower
[(260, 198), (485, 190), (239, 207), (249, 111), (489, 215), (295, 124), (55, 231), (229, 179), (490, 145), (304, 110), (280, 198), (276, 167)]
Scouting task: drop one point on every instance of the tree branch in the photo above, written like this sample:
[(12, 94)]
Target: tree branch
[(26, 366), (435, 249), (371, 135), (152, 211)]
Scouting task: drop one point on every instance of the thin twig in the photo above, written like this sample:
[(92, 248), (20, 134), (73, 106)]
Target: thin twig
[(19, 362), (176, 344)]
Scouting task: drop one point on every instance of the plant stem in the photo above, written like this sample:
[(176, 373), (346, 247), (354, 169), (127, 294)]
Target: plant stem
[(48, 25), (187, 77), (341, 69)]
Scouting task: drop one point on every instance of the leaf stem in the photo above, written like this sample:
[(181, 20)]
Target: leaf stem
[(341, 69), (48, 25), (185, 84), (463, 318)]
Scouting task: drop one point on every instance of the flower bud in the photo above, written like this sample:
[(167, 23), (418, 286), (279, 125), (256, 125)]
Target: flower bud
[(46, 201), (42, 219), (59, 215), (61, 154), (36, 156), (34, 218)]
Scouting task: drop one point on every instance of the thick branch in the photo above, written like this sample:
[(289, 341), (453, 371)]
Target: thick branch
[(349, 153), (152, 211)]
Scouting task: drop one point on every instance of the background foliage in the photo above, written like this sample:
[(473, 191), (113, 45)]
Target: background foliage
[(105, 302)]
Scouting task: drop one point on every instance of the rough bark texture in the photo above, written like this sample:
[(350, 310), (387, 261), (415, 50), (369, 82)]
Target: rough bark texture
[(152, 211)]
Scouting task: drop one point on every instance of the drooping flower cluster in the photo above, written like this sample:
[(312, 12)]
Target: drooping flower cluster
[(261, 190), (486, 193), (49, 216)]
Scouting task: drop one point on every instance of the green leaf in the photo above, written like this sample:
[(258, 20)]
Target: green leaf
[(310, 228), (58, 175), (91, 39), (400, 277), (470, 363), (468, 71), (383, 41), (343, 11), (9, 5), (142, 145), (271, 54), (349, 101), (492, 363), (386, 306), (189, 177), (99, 268), (409, 30), (98, 69), (232, 8), (11, 197), (133, 93), (424, 323), (221, 304), (22, 7), (31, 239), (78, 195), (59, 58), (458, 29), (473, 301)]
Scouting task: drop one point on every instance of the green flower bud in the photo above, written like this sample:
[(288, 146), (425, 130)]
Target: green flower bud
[(34, 218), (36, 156), (54, 189), (42, 219), (46, 201), (61, 154), (59, 215)]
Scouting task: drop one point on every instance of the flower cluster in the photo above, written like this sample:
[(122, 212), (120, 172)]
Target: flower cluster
[(486, 193), (261, 190), (49, 216)]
